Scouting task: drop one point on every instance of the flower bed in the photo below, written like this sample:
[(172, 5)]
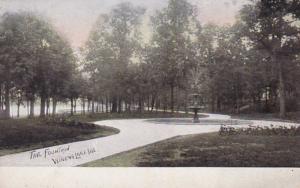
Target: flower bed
[(260, 130)]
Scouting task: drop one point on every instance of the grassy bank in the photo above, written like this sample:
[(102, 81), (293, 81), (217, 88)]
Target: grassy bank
[(211, 150), (27, 134), (17, 135)]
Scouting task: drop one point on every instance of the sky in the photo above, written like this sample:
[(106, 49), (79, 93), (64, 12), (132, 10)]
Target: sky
[(75, 18)]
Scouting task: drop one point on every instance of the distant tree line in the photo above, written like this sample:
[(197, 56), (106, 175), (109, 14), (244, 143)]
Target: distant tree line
[(253, 65)]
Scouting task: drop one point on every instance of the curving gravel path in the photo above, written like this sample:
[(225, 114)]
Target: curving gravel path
[(134, 133)]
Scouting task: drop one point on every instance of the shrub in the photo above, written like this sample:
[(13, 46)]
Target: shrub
[(67, 121), (260, 131)]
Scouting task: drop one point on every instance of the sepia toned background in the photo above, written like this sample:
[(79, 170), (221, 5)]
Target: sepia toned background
[(75, 18)]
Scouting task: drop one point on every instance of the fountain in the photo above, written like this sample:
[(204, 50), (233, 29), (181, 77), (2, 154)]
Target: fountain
[(196, 104)]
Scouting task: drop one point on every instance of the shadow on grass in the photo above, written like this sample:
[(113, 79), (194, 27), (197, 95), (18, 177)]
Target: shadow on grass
[(211, 150)]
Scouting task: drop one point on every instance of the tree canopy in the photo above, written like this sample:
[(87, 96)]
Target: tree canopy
[(252, 65)]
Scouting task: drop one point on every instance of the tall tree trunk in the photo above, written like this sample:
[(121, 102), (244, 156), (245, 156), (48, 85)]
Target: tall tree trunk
[(93, 106), (172, 98), (1, 99), (32, 101), (110, 106), (267, 109), (72, 106), (54, 104), (47, 106), (120, 105), (106, 105), (83, 106), (129, 107), (114, 107), (89, 105), (43, 106), (141, 106), (282, 92), (148, 103), (7, 100), (75, 106), (153, 102), (237, 100), (27, 107), (97, 106), (281, 85), (18, 110)]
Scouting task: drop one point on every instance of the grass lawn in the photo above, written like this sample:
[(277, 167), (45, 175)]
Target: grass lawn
[(28, 134), (18, 135), (211, 150)]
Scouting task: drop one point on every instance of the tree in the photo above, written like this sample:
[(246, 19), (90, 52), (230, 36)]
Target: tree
[(62, 72), (10, 54), (272, 26), (221, 72), (111, 47), (34, 58), (174, 29)]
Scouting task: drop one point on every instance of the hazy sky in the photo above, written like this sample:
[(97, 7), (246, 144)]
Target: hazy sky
[(74, 18)]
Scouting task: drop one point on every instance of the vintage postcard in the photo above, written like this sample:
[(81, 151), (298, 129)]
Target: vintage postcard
[(161, 85)]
